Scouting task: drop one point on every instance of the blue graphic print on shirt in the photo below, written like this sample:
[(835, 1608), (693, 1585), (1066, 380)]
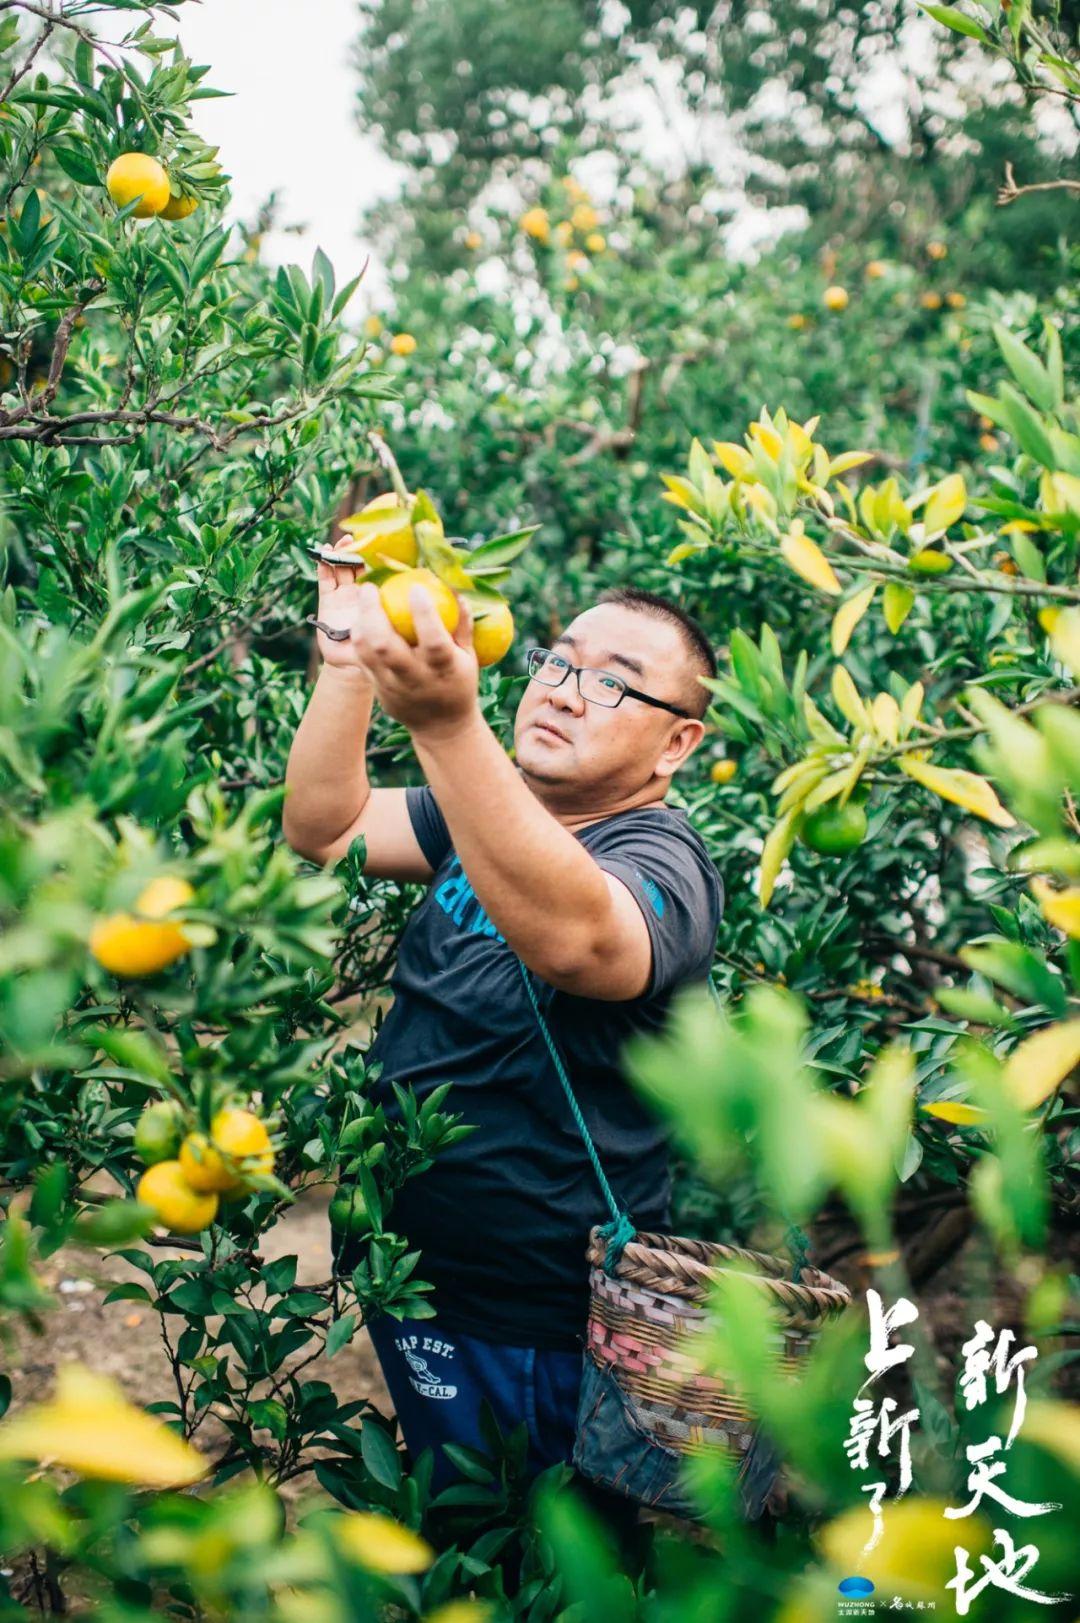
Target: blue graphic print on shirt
[(455, 896)]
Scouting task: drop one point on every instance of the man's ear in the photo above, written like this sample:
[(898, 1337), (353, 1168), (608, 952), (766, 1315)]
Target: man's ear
[(684, 739)]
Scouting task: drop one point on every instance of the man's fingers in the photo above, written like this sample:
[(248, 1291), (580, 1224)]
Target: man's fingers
[(433, 639), (464, 628), (376, 635)]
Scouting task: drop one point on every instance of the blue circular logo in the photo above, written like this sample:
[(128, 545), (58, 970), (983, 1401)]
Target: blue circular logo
[(855, 1586)]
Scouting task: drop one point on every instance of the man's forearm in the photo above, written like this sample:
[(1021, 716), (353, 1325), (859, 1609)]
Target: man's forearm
[(535, 881), (326, 776)]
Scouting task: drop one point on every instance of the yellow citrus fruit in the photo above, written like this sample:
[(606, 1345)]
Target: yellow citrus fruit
[(493, 634), (179, 208), (836, 298), (596, 242), (137, 175), (955, 301), (237, 1147), (402, 343), (158, 1132), (398, 542), (936, 250), (395, 600), (989, 442), (722, 771), (797, 322), (535, 223), (930, 300), (182, 1209), (584, 217), (875, 268), (130, 946)]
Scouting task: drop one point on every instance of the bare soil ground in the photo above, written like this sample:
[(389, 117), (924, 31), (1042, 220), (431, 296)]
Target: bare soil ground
[(123, 1339)]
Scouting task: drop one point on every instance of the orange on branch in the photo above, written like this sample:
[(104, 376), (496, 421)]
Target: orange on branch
[(137, 175), (394, 594), (180, 1208), (493, 634)]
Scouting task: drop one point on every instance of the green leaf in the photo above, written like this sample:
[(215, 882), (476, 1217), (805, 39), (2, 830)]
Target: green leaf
[(1026, 368), (896, 604), (340, 1334), (380, 1455), (1020, 971), (75, 163), (957, 20)]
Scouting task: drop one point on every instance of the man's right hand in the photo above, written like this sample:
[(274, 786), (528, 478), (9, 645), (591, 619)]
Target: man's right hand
[(339, 604)]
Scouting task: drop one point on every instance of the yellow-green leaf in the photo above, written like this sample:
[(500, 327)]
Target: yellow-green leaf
[(1042, 1062), (382, 1544), (965, 789), (848, 616), (90, 1427), (848, 701), (910, 707), (1055, 1427), (734, 459), (778, 843), (1064, 633), (896, 603), (848, 460), (1059, 907), (807, 559), (944, 505), (885, 717), (685, 549), (682, 493), (956, 1112)]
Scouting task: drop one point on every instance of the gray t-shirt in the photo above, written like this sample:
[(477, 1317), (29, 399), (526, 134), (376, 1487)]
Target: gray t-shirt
[(502, 1217)]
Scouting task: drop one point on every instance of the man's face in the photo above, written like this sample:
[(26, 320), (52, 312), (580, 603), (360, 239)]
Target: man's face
[(565, 743)]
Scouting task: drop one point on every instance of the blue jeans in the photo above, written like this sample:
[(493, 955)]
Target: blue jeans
[(437, 1380)]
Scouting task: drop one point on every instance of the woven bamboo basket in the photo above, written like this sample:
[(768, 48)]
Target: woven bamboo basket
[(643, 1321)]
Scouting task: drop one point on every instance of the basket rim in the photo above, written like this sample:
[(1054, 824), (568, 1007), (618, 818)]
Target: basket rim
[(687, 1267)]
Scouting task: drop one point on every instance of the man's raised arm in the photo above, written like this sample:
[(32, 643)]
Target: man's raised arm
[(329, 799)]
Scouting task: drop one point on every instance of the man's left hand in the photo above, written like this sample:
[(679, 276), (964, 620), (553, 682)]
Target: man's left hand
[(431, 688)]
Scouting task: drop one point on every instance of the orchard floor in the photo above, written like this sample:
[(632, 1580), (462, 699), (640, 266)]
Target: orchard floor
[(123, 1339)]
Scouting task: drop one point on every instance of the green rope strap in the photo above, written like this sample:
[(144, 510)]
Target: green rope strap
[(621, 1229)]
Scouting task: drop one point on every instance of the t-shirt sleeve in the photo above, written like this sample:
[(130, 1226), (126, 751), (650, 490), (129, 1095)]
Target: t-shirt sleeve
[(681, 897), (429, 824)]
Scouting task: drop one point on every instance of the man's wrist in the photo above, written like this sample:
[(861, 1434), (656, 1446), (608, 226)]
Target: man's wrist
[(353, 677), (449, 732)]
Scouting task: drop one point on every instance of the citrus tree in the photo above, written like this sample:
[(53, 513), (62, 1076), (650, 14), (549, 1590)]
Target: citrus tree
[(184, 1005)]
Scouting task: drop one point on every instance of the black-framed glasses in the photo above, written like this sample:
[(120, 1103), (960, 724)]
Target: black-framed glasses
[(595, 686)]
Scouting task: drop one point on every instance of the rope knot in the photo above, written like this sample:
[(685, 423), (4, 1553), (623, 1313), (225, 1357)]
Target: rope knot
[(618, 1234)]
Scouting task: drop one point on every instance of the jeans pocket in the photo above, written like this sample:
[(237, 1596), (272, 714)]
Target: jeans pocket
[(614, 1446)]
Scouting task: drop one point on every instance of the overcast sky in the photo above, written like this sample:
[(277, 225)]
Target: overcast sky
[(290, 123)]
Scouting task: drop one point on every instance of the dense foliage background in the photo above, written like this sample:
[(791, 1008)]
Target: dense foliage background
[(592, 344)]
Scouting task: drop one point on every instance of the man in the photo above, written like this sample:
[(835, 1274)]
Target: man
[(567, 858)]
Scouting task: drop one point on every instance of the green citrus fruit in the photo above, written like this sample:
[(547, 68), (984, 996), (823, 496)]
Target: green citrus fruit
[(158, 1132), (832, 830), (348, 1213)]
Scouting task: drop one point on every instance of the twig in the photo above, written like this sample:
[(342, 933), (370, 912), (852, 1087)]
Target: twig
[(1010, 191)]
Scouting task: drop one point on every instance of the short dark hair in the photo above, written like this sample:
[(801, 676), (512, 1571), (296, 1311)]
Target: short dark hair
[(696, 643)]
